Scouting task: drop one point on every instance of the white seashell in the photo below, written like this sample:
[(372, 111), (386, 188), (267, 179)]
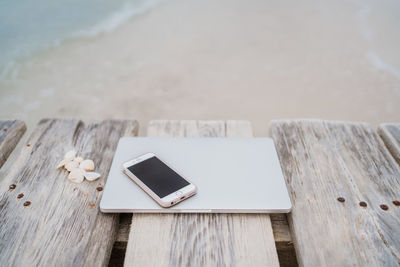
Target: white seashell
[(78, 159), (87, 165), (62, 163), (92, 176), (70, 155), (71, 165), (76, 176)]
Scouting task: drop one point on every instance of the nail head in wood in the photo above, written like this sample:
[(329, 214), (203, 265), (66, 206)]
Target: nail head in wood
[(341, 199), (27, 203), (396, 202), (363, 204), (384, 207), (12, 186), (21, 195)]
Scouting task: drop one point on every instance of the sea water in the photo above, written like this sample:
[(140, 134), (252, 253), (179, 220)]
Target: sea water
[(28, 27)]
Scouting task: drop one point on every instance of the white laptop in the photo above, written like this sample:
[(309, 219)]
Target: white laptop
[(232, 175)]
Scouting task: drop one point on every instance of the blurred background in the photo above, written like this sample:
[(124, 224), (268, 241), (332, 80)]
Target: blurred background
[(255, 60)]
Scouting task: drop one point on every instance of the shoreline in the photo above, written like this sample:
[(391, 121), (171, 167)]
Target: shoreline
[(109, 23)]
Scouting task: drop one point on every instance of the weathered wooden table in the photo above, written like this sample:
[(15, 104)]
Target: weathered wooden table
[(343, 179)]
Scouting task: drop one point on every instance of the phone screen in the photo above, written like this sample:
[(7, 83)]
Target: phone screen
[(157, 176)]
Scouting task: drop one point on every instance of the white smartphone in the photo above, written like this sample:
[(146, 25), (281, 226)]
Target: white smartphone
[(158, 180)]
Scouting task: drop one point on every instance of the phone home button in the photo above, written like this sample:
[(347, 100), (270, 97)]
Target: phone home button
[(179, 193)]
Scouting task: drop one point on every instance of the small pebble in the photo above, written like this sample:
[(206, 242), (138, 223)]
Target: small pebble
[(87, 165), (78, 159), (76, 176), (62, 163), (70, 155), (71, 165), (92, 176)]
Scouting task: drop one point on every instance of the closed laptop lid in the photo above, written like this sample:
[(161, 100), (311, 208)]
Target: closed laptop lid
[(233, 175)]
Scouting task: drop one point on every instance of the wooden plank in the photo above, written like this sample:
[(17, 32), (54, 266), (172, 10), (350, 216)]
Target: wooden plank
[(390, 134), (62, 225), (331, 170), (280, 227), (200, 239), (11, 132)]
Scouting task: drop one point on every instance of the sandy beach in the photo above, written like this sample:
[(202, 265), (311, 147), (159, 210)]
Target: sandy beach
[(257, 61)]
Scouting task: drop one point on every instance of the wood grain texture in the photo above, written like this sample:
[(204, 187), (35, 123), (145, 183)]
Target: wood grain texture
[(62, 225), (323, 161), (390, 134), (200, 239), (280, 227), (11, 132)]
